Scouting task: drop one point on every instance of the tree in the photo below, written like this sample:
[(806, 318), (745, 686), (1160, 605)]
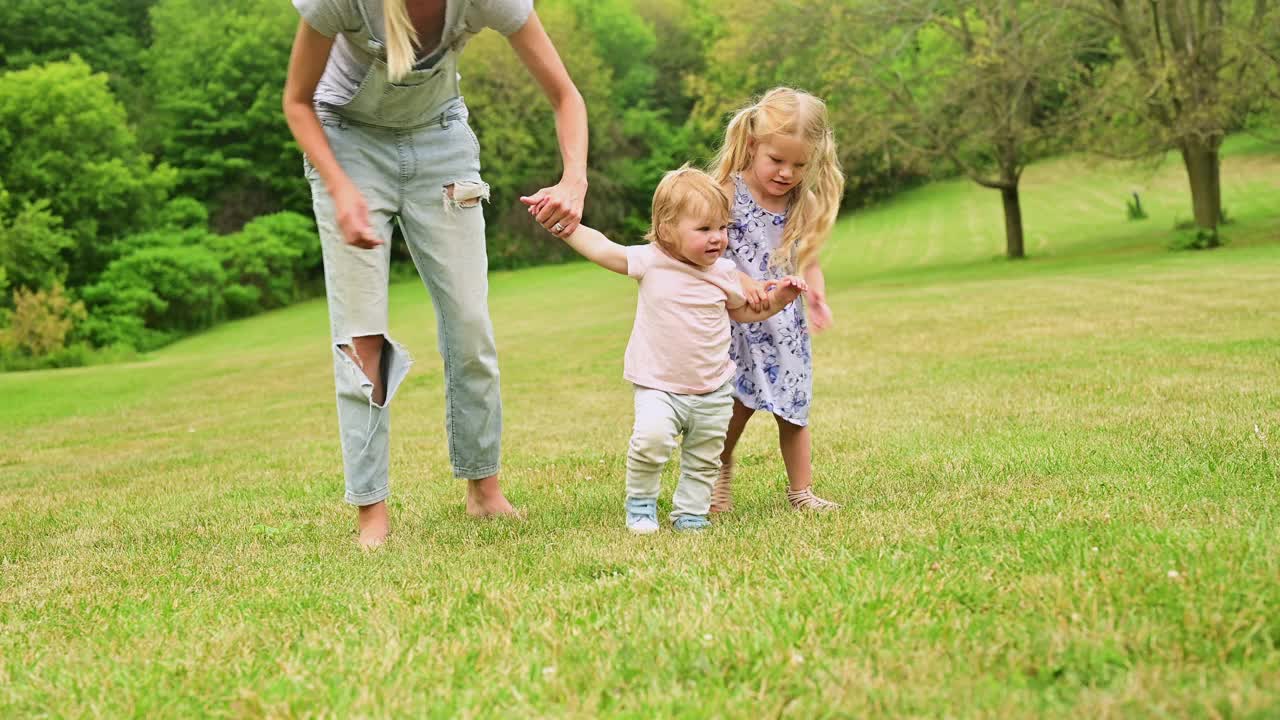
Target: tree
[(65, 139), (215, 73), (151, 296), (108, 34), (33, 246), (1194, 71), (986, 86)]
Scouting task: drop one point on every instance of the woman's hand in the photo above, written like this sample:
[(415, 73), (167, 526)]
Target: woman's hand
[(353, 217), (558, 208)]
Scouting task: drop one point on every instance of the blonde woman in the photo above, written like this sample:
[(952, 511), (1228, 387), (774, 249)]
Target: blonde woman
[(779, 163), (373, 99)]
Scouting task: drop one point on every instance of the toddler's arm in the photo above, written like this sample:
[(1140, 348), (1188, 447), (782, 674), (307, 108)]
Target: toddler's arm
[(787, 290), (599, 249)]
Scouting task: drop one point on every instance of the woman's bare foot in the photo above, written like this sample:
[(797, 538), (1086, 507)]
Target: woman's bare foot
[(485, 499), (373, 525)]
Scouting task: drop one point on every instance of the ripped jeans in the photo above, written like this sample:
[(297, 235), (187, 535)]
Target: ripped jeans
[(427, 179)]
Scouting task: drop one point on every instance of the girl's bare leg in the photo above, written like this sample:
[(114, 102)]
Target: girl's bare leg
[(796, 455), (794, 442)]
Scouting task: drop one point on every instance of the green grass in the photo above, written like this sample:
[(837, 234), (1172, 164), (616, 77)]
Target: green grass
[(1061, 481)]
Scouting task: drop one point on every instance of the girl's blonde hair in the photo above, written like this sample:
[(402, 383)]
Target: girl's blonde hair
[(401, 39), (815, 200), (687, 192)]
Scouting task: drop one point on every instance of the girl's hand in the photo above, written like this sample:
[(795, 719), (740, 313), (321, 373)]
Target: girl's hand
[(756, 293), (794, 281), (353, 217), (819, 312), (558, 208)]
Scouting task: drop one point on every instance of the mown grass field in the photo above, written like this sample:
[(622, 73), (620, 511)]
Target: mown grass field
[(1061, 481)]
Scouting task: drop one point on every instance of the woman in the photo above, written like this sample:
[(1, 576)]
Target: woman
[(372, 98)]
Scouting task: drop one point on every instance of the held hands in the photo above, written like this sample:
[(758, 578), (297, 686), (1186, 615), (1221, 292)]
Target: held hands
[(558, 208), (758, 296), (794, 283)]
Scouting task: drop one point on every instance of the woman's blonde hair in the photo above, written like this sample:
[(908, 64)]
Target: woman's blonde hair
[(815, 200), (401, 39), (687, 192)]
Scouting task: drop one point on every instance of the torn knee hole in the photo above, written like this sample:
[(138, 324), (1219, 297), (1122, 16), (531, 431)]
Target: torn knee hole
[(465, 194), (353, 352)]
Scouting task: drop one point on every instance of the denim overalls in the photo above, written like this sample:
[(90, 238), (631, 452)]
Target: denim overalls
[(408, 149)]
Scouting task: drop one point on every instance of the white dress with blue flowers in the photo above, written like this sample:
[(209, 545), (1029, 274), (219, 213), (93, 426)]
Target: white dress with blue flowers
[(775, 365)]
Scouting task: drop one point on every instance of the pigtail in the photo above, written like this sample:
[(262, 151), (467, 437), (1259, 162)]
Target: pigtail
[(735, 154), (401, 39)]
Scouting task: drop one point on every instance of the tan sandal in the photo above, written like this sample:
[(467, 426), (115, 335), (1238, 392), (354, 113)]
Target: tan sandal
[(806, 500)]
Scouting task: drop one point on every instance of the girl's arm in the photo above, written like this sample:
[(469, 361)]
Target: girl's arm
[(562, 203), (787, 290), (599, 249), (819, 311), (306, 65)]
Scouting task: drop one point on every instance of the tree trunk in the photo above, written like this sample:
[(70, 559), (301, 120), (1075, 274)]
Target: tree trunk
[(1201, 160), (1012, 222)]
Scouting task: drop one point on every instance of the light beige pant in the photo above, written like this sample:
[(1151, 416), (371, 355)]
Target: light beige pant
[(661, 417)]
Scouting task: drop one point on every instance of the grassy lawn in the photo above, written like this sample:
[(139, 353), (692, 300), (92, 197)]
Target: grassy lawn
[(1061, 481)]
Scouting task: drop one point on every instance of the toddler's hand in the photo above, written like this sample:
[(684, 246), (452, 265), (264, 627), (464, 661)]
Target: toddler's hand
[(756, 293)]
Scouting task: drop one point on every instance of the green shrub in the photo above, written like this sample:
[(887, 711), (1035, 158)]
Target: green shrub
[(40, 321), (149, 297)]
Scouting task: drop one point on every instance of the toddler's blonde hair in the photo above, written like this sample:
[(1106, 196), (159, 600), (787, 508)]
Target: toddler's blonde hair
[(687, 192), (815, 200)]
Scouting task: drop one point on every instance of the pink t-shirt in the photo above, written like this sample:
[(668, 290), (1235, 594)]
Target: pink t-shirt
[(680, 341)]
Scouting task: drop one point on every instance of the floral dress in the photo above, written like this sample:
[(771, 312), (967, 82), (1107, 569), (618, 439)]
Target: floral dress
[(774, 363)]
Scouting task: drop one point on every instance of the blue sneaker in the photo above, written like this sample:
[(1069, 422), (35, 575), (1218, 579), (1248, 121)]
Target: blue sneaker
[(642, 515), (691, 522)]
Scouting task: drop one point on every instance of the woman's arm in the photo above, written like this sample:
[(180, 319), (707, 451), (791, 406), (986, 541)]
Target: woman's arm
[(597, 248), (306, 65), (562, 203)]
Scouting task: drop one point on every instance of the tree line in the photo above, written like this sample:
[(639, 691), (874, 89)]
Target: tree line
[(149, 186)]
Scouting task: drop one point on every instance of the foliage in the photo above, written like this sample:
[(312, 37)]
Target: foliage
[(40, 321), (269, 263), (65, 140), (33, 245), (1191, 73), (109, 34), (150, 296), (215, 73)]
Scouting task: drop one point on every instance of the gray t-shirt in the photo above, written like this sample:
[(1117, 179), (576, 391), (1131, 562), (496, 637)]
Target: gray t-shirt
[(357, 26)]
